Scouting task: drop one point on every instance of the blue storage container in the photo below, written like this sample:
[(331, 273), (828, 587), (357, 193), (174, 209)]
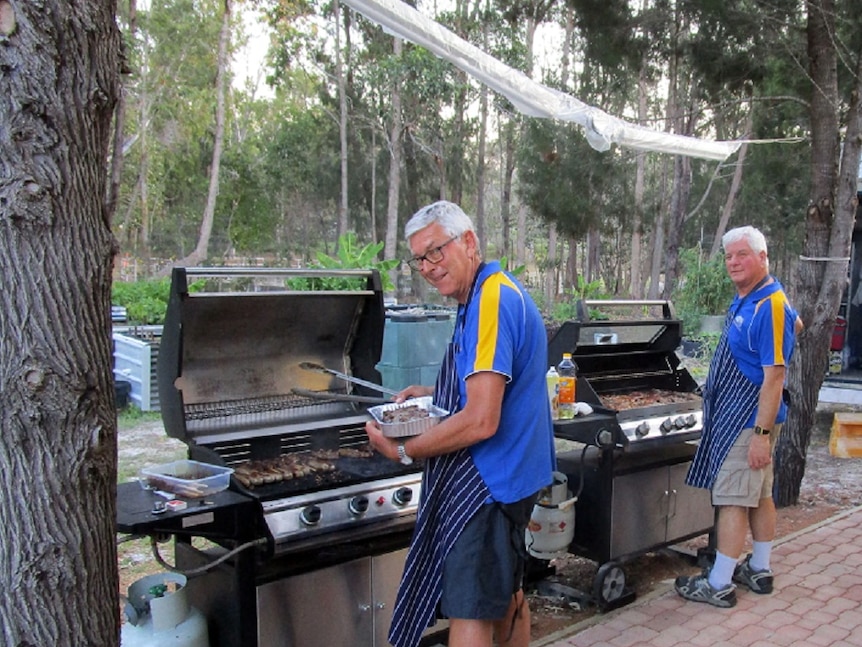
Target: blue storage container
[(414, 343)]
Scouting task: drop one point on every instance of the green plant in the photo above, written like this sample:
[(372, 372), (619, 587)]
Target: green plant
[(349, 256), (514, 271), (146, 301), (703, 289)]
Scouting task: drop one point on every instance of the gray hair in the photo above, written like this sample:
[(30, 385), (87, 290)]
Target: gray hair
[(448, 214), (755, 239)]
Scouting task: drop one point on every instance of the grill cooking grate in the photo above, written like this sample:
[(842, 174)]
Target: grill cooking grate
[(251, 413)]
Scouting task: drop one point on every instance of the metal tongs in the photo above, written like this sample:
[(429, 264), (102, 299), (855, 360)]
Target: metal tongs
[(312, 366)]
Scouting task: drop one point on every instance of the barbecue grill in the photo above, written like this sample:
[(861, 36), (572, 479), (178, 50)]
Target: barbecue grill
[(638, 442), (309, 541)]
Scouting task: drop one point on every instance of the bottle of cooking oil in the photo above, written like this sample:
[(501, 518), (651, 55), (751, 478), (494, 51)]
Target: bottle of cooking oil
[(568, 372), (553, 392)]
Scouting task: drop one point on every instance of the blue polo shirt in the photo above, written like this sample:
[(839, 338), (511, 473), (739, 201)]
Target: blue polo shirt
[(501, 330), (762, 333)]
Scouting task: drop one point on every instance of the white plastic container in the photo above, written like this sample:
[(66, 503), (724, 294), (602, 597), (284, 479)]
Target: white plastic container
[(191, 479)]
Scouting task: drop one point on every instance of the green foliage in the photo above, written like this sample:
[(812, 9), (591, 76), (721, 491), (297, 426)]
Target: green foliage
[(349, 256), (146, 301), (704, 289), (585, 291), (514, 271)]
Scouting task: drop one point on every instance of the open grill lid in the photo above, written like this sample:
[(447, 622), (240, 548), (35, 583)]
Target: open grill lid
[(230, 352), (624, 354)]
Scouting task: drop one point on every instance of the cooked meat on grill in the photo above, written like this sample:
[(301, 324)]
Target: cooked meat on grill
[(356, 452), (294, 466), (646, 398), (363, 451), (405, 414)]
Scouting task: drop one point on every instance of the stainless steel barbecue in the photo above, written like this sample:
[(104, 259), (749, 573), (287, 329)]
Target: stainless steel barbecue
[(311, 535), (638, 442)]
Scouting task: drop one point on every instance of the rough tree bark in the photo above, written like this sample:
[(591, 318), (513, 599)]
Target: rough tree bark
[(59, 83), (828, 230)]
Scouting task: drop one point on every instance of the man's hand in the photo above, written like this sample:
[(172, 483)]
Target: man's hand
[(759, 452), (386, 446)]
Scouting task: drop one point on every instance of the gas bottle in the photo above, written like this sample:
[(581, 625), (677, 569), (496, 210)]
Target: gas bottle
[(568, 372), (159, 617), (553, 379)]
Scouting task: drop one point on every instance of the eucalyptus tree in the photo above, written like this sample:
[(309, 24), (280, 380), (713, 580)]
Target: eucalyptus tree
[(59, 83), (171, 133), (835, 73)]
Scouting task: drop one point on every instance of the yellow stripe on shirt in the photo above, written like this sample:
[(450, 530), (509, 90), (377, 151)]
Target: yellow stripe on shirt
[(489, 307)]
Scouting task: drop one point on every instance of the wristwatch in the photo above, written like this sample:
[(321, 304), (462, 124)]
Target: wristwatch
[(760, 431), (403, 458)]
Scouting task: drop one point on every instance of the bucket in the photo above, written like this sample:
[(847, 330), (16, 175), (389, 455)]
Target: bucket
[(157, 616), (552, 522)]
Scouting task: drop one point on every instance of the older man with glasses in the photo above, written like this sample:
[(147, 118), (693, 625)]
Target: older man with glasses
[(486, 462)]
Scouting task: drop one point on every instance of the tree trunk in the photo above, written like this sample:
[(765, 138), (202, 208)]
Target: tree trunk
[(507, 140), (828, 230), (636, 283), (480, 170), (59, 85), (390, 246), (676, 221), (117, 149), (730, 202), (342, 121), (201, 251)]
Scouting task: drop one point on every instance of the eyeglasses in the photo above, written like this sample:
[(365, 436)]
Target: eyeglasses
[(434, 255)]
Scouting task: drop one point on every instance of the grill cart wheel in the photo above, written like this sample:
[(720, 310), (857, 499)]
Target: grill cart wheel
[(609, 587)]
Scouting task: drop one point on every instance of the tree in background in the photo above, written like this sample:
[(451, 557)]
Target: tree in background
[(59, 83), (835, 75)]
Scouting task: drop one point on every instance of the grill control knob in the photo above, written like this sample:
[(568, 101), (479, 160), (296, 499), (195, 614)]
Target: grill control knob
[(310, 516), (679, 422), (690, 420), (604, 438), (642, 429), (358, 505), (666, 426), (402, 496)]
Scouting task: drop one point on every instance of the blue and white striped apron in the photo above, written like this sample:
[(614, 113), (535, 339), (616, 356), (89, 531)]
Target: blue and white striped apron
[(452, 492), (729, 399)]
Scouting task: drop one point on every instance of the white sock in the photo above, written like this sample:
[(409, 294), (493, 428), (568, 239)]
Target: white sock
[(760, 553), (722, 571)]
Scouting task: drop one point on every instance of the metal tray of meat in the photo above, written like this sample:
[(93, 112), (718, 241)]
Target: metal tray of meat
[(386, 416)]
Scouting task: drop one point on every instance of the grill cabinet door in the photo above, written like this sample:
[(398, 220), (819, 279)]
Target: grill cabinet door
[(331, 607), (690, 509), (639, 518)]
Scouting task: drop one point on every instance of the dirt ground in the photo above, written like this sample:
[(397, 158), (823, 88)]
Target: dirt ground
[(830, 485)]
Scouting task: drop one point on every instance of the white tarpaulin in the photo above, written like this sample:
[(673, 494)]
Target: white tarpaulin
[(528, 96)]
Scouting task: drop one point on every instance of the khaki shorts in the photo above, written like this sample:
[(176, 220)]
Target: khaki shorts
[(738, 484)]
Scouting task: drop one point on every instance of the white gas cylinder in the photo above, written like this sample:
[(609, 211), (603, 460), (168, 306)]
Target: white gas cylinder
[(552, 522), (159, 617)]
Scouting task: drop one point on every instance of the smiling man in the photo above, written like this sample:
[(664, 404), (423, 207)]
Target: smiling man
[(485, 463), (743, 408)]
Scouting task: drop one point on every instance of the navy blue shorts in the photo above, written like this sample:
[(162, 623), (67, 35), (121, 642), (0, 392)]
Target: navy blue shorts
[(486, 566)]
